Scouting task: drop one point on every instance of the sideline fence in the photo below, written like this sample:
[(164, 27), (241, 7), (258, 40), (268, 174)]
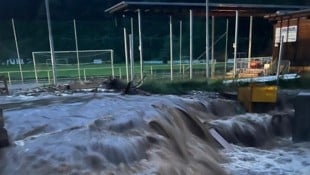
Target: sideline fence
[(150, 71)]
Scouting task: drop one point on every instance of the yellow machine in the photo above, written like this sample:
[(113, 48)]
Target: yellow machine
[(255, 93)]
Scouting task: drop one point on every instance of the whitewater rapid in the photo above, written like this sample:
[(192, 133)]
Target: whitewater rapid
[(106, 133)]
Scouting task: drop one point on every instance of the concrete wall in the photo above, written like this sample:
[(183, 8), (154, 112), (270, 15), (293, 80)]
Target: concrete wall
[(301, 120), (4, 139)]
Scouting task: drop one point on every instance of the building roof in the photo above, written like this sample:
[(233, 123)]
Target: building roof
[(289, 14), (216, 9)]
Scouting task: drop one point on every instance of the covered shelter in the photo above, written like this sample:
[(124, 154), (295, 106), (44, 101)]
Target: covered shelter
[(130, 8), (182, 8), (293, 28)]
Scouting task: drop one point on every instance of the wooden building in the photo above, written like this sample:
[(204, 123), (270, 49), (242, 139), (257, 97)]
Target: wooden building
[(294, 28)]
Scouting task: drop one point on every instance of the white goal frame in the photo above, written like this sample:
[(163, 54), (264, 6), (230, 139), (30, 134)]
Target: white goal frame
[(77, 57)]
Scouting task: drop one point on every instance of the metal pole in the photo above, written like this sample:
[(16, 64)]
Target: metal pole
[(171, 49), (120, 72), (126, 54), (279, 58), (34, 67), (131, 26), (212, 47), (9, 77), (84, 72), (190, 44), (131, 57), (17, 51), (77, 49), (112, 62), (50, 36), (140, 44), (250, 41), (207, 39), (180, 47), (226, 46), (48, 77), (235, 43)]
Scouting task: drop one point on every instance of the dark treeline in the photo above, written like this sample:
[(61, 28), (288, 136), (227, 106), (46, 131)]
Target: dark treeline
[(99, 30)]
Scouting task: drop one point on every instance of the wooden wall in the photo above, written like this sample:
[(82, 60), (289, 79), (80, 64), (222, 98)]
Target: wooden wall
[(297, 52)]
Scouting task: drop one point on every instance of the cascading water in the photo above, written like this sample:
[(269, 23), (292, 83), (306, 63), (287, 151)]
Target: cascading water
[(109, 134), (114, 134)]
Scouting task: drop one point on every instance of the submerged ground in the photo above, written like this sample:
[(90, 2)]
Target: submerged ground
[(109, 133)]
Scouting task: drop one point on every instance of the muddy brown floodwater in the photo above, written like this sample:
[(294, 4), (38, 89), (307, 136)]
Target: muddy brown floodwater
[(114, 134)]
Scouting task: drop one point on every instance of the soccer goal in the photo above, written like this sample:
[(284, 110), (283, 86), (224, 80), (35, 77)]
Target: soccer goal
[(74, 64)]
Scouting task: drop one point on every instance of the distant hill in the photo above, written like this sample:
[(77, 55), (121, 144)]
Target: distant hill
[(98, 30)]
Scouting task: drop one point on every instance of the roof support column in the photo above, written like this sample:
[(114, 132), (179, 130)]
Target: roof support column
[(190, 44), (140, 44), (226, 47), (207, 39), (132, 60), (250, 41), (212, 48), (180, 52), (236, 43), (131, 28), (126, 54), (171, 48)]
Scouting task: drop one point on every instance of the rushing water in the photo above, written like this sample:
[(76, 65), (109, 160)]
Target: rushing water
[(114, 134)]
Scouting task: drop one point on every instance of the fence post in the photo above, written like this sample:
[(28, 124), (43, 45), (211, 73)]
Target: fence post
[(152, 71)]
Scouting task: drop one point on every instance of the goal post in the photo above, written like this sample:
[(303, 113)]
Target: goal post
[(70, 63)]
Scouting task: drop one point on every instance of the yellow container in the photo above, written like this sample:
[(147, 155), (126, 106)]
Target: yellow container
[(267, 94), (257, 94)]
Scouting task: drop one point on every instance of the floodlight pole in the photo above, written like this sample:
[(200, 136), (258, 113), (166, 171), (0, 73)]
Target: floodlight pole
[(279, 58), (171, 49), (17, 51), (140, 44), (207, 39), (190, 44), (77, 49), (250, 41), (50, 40), (236, 43), (34, 67)]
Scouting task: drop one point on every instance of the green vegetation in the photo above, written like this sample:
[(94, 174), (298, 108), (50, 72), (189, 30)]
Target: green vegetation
[(185, 86), (181, 86)]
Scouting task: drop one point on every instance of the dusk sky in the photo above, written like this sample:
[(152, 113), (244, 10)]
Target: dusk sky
[(89, 9)]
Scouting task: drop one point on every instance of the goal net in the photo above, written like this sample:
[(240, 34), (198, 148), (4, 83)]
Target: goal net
[(74, 64)]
